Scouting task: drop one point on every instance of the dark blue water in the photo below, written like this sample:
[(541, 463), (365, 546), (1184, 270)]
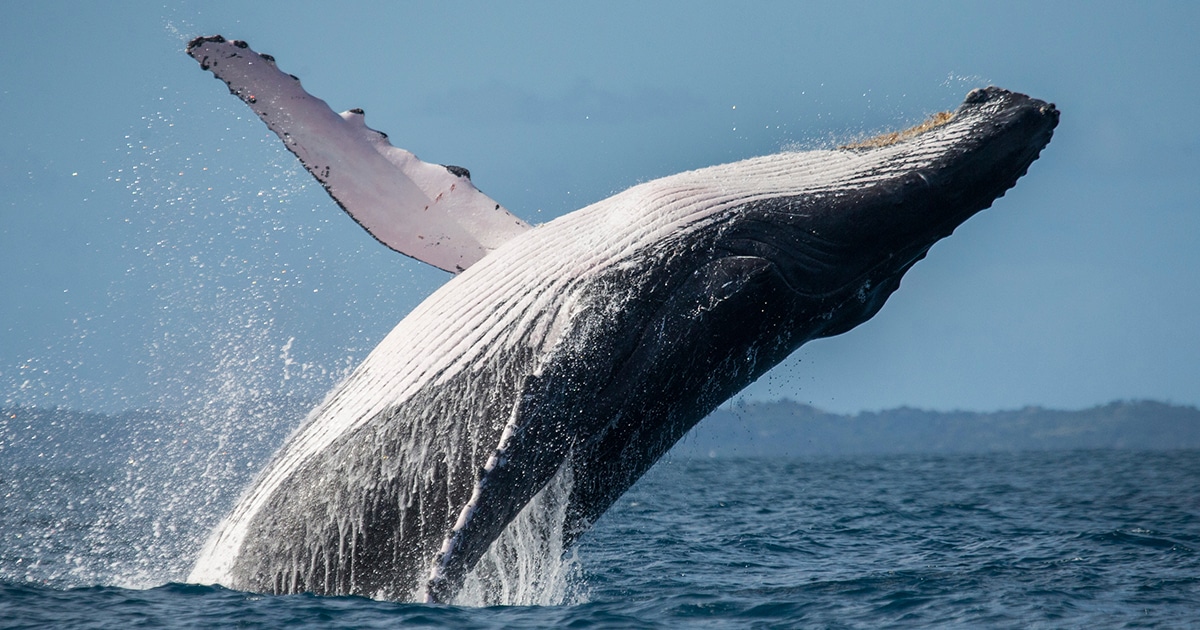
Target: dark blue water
[(1049, 539)]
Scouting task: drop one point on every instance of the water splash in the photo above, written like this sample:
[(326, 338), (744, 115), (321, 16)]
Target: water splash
[(216, 371), (528, 565)]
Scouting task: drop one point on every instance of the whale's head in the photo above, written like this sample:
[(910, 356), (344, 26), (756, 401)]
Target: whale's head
[(870, 210)]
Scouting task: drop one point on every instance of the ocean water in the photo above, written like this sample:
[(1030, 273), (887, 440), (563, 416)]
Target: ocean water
[(1031, 540)]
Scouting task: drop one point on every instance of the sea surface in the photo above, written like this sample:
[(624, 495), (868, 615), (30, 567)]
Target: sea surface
[(1096, 539)]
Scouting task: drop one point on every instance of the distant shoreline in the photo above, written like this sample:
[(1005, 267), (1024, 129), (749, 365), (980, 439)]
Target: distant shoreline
[(781, 428), (788, 428)]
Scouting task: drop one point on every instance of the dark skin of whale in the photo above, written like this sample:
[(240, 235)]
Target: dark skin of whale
[(684, 351), (874, 235), (698, 317)]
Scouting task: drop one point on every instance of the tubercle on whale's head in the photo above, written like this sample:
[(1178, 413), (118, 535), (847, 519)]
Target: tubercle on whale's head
[(892, 137), (980, 102)]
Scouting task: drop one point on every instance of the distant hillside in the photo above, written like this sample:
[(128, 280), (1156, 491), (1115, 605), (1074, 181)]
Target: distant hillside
[(789, 428), (784, 428)]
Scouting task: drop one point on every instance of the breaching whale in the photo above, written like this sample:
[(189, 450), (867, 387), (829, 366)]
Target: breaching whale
[(583, 348)]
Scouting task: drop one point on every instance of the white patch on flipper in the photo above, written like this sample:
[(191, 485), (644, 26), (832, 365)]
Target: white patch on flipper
[(422, 210)]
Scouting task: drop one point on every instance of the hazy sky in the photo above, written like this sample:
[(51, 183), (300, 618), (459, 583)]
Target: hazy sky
[(158, 246)]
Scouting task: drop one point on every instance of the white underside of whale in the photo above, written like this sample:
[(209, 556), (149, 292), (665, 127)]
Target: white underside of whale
[(525, 292)]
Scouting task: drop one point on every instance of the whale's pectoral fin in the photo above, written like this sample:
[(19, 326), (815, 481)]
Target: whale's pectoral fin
[(530, 451), (428, 211)]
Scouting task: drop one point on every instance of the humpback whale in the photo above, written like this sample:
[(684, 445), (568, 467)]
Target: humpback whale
[(580, 349)]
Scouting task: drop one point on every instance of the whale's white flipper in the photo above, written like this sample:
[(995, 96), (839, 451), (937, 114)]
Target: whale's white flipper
[(428, 211)]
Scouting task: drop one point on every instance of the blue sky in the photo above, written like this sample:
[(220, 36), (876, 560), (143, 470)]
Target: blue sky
[(160, 249)]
